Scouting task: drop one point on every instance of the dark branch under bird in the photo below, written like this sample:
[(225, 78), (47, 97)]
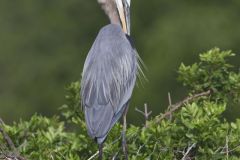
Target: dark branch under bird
[(109, 73)]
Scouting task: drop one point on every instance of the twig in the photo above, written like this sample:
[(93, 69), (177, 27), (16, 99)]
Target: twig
[(227, 149), (170, 104), (169, 99), (115, 155), (139, 149), (93, 156), (179, 105), (146, 114), (154, 148), (220, 148), (188, 150)]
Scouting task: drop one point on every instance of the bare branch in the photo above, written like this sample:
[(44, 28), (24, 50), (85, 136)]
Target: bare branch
[(188, 150), (180, 104), (93, 156), (227, 149), (146, 114), (138, 110), (169, 99), (170, 104)]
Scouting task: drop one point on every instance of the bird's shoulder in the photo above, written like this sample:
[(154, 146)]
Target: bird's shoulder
[(111, 30), (111, 44), (112, 35)]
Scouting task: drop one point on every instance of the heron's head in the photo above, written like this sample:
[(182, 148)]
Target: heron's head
[(118, 12)]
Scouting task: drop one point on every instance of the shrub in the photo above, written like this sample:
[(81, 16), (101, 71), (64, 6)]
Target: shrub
[(197, 129)]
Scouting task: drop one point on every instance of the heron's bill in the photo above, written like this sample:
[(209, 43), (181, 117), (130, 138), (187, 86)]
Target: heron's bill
[(123, 7)]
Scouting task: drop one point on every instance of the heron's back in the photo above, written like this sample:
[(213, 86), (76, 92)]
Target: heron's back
[(108, 79)]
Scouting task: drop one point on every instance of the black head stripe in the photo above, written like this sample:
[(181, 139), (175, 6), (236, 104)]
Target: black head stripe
[(130, 39)]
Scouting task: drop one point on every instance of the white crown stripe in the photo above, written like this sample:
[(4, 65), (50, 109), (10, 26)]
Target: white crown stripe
[(129, 2)]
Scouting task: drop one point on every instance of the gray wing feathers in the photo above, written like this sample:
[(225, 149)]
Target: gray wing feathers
[(108, 79), (98, 120)]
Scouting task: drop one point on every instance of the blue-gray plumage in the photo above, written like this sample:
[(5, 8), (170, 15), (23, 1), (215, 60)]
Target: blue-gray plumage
[(108, 79), (109, 74)]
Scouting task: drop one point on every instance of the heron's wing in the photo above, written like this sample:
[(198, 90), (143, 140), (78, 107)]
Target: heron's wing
[(108, 79)]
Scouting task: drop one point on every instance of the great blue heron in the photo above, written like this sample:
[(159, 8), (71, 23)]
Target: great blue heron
[(109, 74)]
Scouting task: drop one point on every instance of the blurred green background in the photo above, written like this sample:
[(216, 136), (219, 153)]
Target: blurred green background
[(43, 45)]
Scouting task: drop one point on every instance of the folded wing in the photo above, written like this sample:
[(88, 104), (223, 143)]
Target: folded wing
[(108, 79)]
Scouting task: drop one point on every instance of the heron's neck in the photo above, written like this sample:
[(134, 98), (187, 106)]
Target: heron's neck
[(114, 18), (111, 11)]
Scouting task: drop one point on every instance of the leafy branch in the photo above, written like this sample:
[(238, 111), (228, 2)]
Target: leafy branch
[(15, 154), (178, 105)]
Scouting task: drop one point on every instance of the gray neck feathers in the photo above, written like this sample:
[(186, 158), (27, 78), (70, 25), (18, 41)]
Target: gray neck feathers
[(110, 9)]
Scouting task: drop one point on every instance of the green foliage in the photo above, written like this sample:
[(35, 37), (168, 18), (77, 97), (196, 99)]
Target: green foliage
[(214, 73), (72, 110), (47, 138), (197, 130)]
